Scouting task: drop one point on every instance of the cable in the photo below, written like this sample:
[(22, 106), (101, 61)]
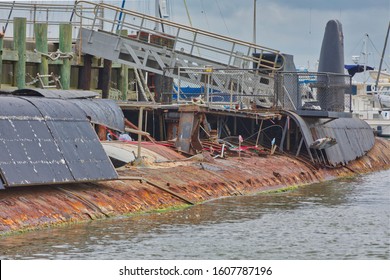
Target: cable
[(188, 13), (9, 16), (205, 14), (223, 18)]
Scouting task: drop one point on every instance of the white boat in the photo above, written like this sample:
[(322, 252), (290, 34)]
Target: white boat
[(373, 105), (372, 99), (383, 90)]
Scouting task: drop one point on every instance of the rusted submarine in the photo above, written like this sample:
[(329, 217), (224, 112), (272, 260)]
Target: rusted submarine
[(67, 156), (55, 170)]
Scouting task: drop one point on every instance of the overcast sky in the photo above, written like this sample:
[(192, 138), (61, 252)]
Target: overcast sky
[(291, 26)]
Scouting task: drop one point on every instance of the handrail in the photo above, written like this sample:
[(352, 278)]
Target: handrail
[(213, 37)]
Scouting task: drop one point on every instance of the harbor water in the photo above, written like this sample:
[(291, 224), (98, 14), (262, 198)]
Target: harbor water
[(342, 219)]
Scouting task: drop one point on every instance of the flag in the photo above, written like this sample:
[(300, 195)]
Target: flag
[(240, 139)]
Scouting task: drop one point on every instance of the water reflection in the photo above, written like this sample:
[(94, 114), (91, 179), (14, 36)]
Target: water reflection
[(345, 219)]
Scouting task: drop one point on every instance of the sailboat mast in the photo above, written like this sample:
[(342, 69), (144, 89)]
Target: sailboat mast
[(383, 55), (365, 55)]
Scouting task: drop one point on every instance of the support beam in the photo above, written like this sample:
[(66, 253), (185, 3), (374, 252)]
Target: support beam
[(285, 132), (85, 73), (1, 57), (299, 147), (105, 78), (124, 74), (66, 47), (20, 47), (140, 119), (124, 81)]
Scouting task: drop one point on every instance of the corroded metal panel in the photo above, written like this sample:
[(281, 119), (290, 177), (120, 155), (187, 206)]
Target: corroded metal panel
[(188, 133), (102, 111), (28, 208), (47, 141), (354, 138)]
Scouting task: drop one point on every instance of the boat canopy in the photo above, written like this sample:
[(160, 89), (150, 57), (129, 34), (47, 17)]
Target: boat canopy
[(357, 68)]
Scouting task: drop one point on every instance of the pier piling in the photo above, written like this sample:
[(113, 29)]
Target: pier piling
[(85, 73), (124, 74), (20, 47), (66, 47), (105, 78), (41, 45), (1, 58)]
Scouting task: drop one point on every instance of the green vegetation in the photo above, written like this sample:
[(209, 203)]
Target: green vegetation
[(281, 190)]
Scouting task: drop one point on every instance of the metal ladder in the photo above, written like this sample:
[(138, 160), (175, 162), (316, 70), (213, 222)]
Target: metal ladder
[(45, 83), (143, 85)]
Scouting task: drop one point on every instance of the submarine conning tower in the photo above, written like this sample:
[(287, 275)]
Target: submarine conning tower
[(320, 105), (332, 61)]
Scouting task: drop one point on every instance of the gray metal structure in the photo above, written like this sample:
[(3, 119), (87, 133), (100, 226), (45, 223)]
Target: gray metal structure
[(187, 47), (313, 93), (332, 61), (102, 111), (354, 138), (48, 141)]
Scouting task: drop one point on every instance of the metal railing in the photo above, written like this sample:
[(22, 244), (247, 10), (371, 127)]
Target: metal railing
[(181, 38), (232, 88), (51, 13), (313, 91)]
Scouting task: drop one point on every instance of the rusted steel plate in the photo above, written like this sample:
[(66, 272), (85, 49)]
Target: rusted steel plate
[(163, 149), (185, 130), (22, 208)]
